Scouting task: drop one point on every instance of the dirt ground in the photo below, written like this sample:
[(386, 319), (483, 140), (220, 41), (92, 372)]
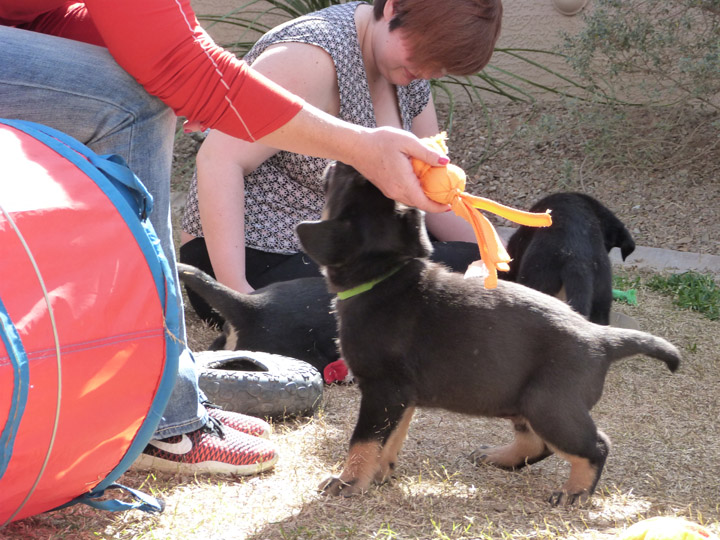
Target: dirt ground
[(665, 461), (657, 169)]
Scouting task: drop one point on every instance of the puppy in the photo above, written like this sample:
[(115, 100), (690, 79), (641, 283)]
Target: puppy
[(291, 318), (415, 334), (570, 259)]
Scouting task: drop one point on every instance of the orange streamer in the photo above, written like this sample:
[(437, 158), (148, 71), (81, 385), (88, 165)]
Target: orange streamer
[(446, 185)]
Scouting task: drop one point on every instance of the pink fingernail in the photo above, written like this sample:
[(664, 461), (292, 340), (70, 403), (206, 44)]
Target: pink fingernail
[(443, 161)]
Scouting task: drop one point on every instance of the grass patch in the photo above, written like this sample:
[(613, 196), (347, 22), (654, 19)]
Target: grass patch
[(624, 282), (690, 290)]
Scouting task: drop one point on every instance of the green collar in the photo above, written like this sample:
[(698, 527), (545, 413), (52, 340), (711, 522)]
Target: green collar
[(344, 295)]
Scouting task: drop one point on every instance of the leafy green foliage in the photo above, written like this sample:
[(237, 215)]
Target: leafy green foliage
[(668, 48), (624, 282), (691, 290), (256, 17), (514, 86)]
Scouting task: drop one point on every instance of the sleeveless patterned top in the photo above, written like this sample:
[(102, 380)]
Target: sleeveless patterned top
[(287, 188)]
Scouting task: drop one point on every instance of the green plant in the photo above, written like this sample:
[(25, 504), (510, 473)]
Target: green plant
[(668, 49), (691, 290), (511, 85), (625, 282), (604, 130), (386, 532), (255, 17)]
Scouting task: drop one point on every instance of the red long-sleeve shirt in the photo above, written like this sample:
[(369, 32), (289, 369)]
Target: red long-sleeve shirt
[(161, 44)]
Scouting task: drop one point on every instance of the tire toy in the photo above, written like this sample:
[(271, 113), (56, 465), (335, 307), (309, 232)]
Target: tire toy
[(259, 384)]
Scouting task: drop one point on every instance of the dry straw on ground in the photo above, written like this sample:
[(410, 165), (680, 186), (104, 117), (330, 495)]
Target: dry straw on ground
[(665, 460)]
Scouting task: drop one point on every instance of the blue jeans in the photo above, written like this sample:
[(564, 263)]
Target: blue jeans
[(80, 90)]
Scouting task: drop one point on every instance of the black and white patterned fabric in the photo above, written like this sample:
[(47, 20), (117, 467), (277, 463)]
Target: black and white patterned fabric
[(287, 188)]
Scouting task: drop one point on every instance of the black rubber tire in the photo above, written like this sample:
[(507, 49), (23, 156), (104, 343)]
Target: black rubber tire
[(259, 384)]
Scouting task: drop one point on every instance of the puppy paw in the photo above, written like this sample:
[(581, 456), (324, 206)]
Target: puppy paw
[(479, 456), (484, 456), (336, 487), (507, 458), (385, 473), (563, 498)]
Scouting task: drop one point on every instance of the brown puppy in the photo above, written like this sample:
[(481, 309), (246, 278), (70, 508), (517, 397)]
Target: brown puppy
[(415, 334)]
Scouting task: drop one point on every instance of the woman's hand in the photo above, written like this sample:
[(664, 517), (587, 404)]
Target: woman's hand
[(383, 158)]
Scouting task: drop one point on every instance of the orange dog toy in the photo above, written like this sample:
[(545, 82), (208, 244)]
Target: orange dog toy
[(446, 185)]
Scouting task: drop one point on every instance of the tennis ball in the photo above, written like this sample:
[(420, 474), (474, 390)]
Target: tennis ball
[(666, 528)]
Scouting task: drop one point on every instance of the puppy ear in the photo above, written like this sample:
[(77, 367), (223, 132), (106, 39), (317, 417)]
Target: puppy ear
[(413, 240), (626, 243), (617, 235), (327, 242), (328, 173), (614, 231)]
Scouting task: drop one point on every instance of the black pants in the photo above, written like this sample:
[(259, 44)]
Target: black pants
[(263, 268)]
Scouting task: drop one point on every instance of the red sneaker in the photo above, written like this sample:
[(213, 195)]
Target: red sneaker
[(212, 449), (240, 422)]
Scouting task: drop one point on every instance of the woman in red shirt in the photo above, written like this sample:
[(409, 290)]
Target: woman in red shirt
[(114, 75)]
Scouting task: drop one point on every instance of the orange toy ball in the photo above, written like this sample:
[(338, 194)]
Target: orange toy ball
[(666, 528), (443, 184)]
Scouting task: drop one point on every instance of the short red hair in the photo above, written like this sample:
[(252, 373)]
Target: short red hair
[(458, 36)]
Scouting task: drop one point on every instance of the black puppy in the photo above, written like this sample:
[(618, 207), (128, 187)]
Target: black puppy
[(570, 259), (415, 334), (291, 318)]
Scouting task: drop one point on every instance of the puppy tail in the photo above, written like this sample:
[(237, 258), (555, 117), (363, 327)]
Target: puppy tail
[(213, 292), (622, 343)]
